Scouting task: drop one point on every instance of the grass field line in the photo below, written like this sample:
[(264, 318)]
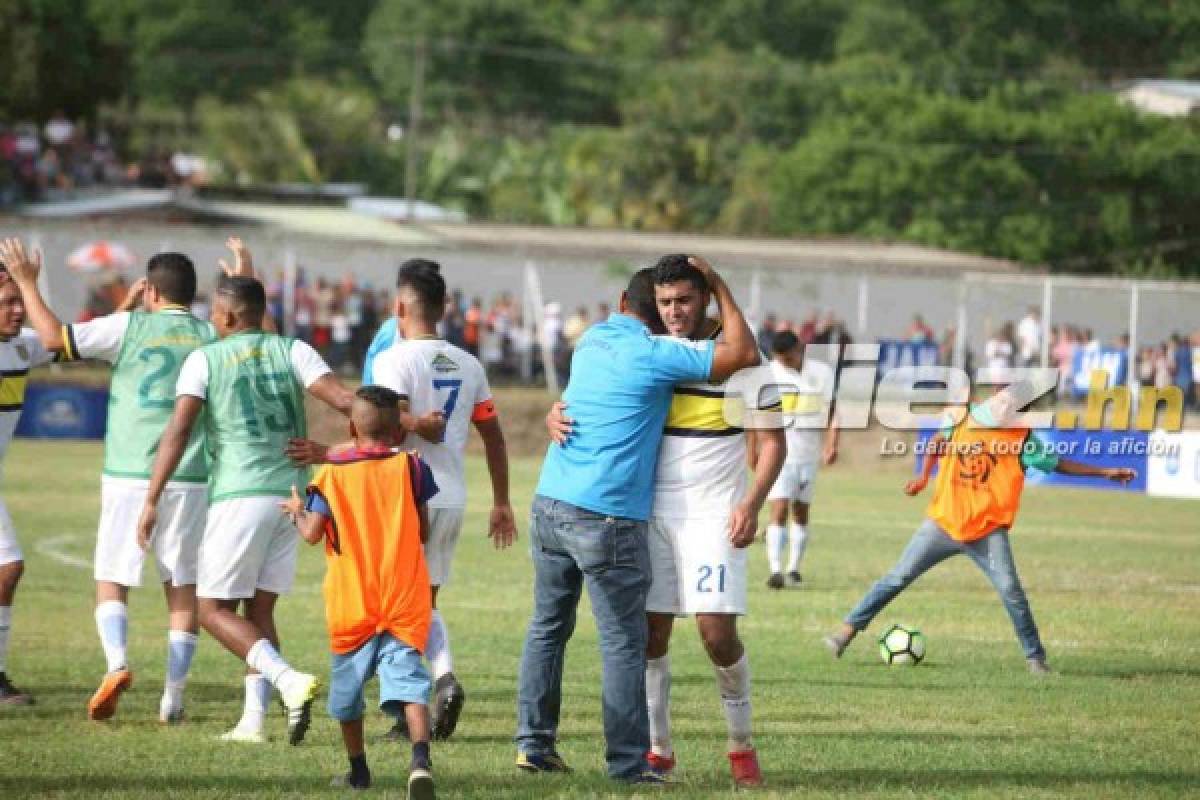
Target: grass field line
[(51, 547)]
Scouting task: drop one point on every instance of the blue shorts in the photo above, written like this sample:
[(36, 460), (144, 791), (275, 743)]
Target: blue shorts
[(402, 675)]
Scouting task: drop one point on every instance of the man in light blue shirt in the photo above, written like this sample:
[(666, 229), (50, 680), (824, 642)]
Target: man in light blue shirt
[(385, 337), (590, 515)]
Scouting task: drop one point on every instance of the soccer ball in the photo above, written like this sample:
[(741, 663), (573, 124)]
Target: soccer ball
[(902, 644)]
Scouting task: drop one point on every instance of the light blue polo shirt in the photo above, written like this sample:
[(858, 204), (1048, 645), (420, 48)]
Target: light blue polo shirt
[(385, 337), (621, 384)]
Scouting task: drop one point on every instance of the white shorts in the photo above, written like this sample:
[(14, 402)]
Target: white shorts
[(444, 526), (10, 548), (694, 567), (249, 544), (795, 482), (176, 542)]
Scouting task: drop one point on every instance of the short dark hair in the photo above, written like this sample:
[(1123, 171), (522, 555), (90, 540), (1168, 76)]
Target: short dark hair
[(424, 278), (678, 267), (639, 294), (784, 342), (381, 414), (174, 276), (247, 294)]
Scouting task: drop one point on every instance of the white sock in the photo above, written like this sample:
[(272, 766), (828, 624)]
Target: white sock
[(734, 684), (776, 534), (5, 626), (112, 623), (658, 701), (181, 646), (258, 696), (438, 649), (265, 659), (797, 541)]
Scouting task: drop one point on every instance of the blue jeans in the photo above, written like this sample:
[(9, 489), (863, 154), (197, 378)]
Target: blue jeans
[(930, 546), (573, 547)]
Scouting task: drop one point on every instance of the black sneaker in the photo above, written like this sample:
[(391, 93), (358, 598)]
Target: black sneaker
[(547, 762), (420, 785), (11, 695), (448, 699), (775, 581), (794, 578)]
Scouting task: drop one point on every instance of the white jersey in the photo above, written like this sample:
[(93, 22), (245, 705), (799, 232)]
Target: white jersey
[(807, 396), (437, 376), (702, 469), (18, 355)]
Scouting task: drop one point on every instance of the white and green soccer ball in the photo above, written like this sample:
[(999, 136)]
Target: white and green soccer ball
[(902, 644)]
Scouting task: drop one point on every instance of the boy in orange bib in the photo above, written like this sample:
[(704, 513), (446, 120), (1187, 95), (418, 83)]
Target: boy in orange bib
[(368, 506), (975, 501)]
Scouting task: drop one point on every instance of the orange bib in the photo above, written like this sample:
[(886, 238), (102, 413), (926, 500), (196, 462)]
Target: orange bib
[(376, 579), (979, 481)]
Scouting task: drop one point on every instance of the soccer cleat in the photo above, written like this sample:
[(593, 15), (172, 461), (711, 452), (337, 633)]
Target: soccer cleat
[(244, 736), (541, 762), (170, 716), (663, 765), (746, 772), (836, 644), (398, 732), (775, 581), (298, 702), (448, 699), (420, 785), (794, 579), (104, 702), (1038, 666), (11, 695)]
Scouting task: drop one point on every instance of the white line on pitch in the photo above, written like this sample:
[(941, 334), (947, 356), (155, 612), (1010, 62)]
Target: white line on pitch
[(51, 548)]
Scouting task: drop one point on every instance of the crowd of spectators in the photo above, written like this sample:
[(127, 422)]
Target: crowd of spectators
[(62, 157)]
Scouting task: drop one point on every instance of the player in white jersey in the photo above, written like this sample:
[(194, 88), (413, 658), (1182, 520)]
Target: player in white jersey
[(705, 514), (20, 351), (806, 386), (436, 376)]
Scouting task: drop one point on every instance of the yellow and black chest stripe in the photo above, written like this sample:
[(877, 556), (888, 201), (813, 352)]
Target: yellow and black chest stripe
[(703, 413), (12, 388)]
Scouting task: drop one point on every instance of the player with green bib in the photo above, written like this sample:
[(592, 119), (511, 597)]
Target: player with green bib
[(146, 342), (247, 393)]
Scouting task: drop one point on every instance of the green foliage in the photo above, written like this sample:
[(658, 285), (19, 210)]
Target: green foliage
[(973, 124), (303, 130)]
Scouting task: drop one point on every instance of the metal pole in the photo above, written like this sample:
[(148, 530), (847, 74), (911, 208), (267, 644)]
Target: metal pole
[(1131, 353), (960, 330), (410, 135), (864, 299), (289, 292), (1047, 310)]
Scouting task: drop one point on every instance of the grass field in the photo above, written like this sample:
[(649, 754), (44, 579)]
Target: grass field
[(1114, 580)]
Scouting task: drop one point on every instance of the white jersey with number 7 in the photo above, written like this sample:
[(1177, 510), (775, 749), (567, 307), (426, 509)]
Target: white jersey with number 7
[(438, 376)]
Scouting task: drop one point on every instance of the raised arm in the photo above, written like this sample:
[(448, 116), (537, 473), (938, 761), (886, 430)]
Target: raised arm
[(170, 452), (738, 348), (24, 268), (501, 522)]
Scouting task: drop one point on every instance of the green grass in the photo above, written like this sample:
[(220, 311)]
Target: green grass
[(1113, 580)]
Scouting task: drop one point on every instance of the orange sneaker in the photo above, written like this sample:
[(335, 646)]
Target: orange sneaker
[(104, 702), (746, 773)]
